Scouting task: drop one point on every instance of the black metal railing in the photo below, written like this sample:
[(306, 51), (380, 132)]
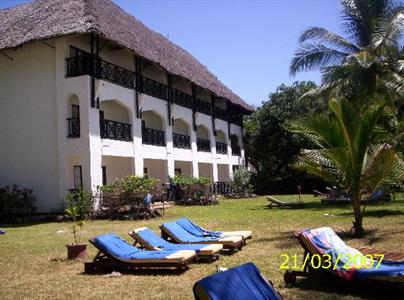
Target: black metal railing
[(235, 149), (221, 148), (153, 137), (114, 73), (84, 64), (73, 127), (154, 88), (221, 113), (203, 145), (221, 188), (181, 141), (203, 107), (114, 130), (181, 98)]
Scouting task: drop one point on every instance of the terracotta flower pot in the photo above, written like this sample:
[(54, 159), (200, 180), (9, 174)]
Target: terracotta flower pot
[(76, 251)]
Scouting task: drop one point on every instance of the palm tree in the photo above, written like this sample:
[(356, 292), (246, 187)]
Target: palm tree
[(370, 60), (351, 151)]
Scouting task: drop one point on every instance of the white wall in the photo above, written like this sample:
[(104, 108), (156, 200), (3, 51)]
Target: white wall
[(28, 132), (117, 167)]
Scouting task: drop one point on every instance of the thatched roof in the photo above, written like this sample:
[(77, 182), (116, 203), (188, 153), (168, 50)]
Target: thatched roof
[(45, 19)]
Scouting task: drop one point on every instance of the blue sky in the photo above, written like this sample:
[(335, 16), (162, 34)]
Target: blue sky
[(247, 44)]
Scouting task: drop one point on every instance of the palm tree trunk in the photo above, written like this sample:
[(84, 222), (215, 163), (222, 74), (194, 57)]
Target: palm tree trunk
[(357, 224)]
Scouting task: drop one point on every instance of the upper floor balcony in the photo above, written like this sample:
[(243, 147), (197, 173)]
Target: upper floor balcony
[(82, 63)]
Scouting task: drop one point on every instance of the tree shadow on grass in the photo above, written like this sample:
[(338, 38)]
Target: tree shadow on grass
[(376, 213), (338, 288)]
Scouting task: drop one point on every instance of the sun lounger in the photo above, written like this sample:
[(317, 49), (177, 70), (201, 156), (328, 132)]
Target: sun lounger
[(378, 195), (199, 231), (322, 241), (174, 232), (151, 241), (336, 200), (117, 254), (239, 283), (273, 202)]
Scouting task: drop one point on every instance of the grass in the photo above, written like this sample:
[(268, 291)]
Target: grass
[(32, 263)]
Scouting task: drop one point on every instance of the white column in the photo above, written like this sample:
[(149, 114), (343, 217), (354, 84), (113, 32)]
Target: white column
[(62, 114), (229, 155), (138, 146), (214, 156), (195, 167), (170, 150)]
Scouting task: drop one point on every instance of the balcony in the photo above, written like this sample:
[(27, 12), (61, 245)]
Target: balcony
[(235, 150), (181, 141), (203, 145), (153, 88), (203, 107), (221, 113), (83, 64), (73, 127), (114, 130), (221, 148), (153, 137), (181, 98)]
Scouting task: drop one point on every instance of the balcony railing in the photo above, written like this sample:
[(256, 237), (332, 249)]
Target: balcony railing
[(73, 127), (235, 149), (203, 107), (153, 137), (203, 145), (181, 141), (154, 88), (181, 98), (221, 148), (221, 113), (114, 130), (84, 64)]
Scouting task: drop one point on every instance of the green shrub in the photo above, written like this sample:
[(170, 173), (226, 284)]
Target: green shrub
[(16, 204), (241, 184), (191, 190), (124, 198), (82, 200)]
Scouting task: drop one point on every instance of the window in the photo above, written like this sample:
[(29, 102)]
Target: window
[(145, 172), (177, 171), (77, 177), (75, 111), (104, 175)]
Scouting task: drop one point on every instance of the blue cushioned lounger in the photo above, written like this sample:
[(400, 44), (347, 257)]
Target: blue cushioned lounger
[(150, 240), (199, 231), (239, 283), (179, 235), (116, 253)]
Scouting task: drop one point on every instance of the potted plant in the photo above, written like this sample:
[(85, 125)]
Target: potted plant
[(78, 203)]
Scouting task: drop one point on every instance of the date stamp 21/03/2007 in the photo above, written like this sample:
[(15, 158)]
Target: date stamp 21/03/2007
[(325, 261)]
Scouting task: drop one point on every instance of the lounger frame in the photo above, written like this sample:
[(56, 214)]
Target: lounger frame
[(144, 244), (105, 262), (171, 238), (290, 276)]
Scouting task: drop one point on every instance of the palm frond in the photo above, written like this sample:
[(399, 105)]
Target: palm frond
[(390, 28), (325, 37), (315, 56)]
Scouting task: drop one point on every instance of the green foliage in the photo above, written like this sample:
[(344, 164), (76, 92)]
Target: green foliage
[(271, 147), (241, 184), (79, 203), (124, 198), (132, 183), (193, 190), (368, 61), (16, 203), (351, 149)]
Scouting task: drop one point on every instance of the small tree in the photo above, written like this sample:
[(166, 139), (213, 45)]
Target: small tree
[(78, 204), (241, 182), (352, 151)]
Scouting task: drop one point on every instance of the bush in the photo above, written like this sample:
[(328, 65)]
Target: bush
[(241, 185), (16, 204), (191, 190), (82, 200), (124, 198)]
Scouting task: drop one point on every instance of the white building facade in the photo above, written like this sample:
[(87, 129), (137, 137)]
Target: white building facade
[(79, 111)]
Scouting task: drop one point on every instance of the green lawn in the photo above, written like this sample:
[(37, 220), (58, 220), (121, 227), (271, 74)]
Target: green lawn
[(32, 263)]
